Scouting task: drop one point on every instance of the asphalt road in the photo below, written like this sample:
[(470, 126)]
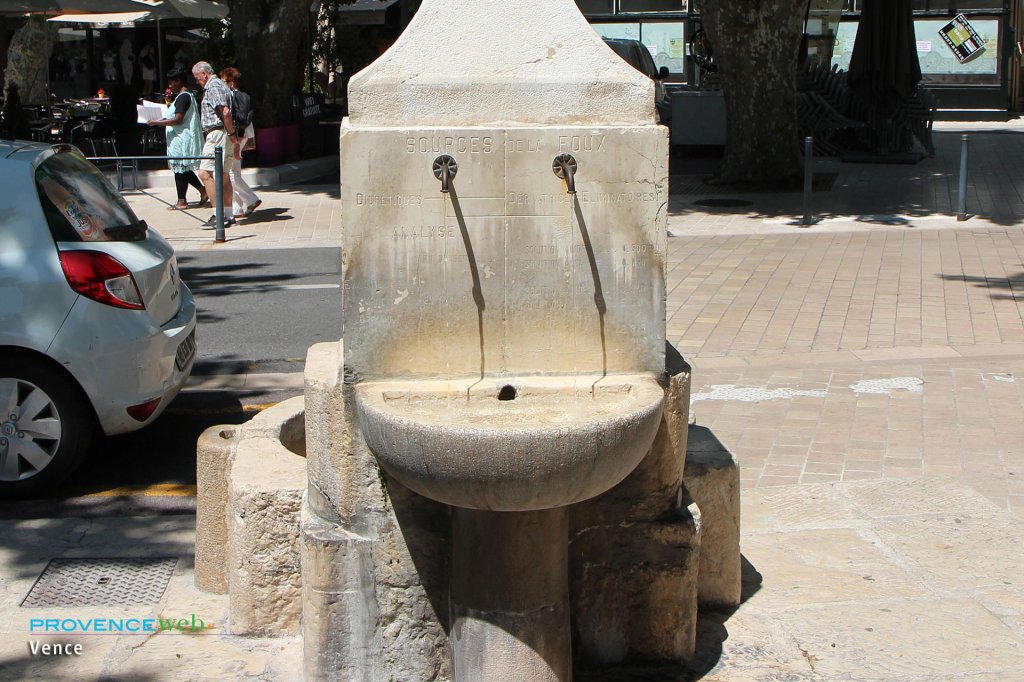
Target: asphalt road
[(258, 312)]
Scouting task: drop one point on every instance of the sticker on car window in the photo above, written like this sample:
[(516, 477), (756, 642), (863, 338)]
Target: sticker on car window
[(75, 194), (69, 207)]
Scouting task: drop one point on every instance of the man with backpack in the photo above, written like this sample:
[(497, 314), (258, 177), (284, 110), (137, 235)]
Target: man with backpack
[(244, 201)]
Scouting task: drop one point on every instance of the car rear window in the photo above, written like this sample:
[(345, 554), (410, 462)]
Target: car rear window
[(79, 202)]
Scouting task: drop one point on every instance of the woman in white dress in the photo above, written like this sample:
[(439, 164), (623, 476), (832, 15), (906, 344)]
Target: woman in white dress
[(244, 200)]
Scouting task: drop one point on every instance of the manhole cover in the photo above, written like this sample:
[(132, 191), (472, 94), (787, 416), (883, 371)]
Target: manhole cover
[(723, 203), (101, 582)]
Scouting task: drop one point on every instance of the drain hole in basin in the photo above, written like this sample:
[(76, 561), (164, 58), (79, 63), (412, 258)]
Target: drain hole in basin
[(507, 393)]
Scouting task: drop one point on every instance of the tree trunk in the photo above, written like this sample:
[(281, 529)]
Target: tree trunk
[(271, 40), (28, 59), (756, 47)]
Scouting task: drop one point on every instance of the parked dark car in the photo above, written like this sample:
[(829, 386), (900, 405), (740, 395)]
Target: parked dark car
[(639, 57)]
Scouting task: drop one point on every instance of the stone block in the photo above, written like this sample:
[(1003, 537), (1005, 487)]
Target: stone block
[(472, 64), (655, 486), (713, 481), (284, 422), (372, 607), (345, 484), (507, 238), (215, 450), (266, 487), (634, 590), (214, 454)]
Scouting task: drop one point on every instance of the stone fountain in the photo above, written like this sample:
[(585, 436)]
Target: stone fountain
[(495, 454)]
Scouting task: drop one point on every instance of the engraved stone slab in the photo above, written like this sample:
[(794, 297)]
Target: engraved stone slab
[(507, 273)]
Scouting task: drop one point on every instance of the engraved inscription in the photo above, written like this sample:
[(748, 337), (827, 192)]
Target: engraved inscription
[(619, 198), (388, 199), (583, 196), (580, 143), (424, 232), (437, 144), (522, 199), (642, 249), (519, 146)]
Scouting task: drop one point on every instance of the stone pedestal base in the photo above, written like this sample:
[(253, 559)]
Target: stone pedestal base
[(368, 564), (510, 596)]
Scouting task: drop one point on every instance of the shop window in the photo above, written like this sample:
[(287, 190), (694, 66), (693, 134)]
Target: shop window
[(955, 6), (938, 63), (665, 40), (949, 6)]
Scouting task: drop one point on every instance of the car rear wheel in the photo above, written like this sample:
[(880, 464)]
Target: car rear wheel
[(45, 427)]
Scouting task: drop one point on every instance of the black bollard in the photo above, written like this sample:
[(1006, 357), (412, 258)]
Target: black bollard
[(961, 212), (808, 178)]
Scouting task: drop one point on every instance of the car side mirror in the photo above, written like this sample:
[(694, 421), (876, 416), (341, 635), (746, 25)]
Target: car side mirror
[(663, 73)]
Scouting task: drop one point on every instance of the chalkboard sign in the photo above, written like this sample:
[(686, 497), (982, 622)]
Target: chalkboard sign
[(309, 106), (961, 38)]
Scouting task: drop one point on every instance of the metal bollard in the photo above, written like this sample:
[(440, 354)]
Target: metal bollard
[(808, 178), (218, 178), (961, 212)]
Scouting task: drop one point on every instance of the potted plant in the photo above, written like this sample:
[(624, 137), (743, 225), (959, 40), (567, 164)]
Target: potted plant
[(270, 137)]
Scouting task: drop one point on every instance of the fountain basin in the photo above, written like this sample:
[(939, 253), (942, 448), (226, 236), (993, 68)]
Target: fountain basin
[(511, 443)]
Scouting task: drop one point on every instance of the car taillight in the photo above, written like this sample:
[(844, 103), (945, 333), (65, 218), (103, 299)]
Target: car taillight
[(101, 278), (143, 411)]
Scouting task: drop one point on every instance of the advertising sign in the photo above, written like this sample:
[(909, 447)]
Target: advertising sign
[(961, 38)]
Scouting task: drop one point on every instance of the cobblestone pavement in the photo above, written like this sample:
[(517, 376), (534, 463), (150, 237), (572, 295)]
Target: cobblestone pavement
[(886, 342)]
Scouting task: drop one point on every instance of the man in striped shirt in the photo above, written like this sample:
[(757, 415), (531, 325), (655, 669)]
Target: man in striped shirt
[(219, 131)]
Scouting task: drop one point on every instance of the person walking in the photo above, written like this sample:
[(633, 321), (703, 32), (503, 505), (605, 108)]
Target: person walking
[(183, 138), (219, 130), (245, 200)]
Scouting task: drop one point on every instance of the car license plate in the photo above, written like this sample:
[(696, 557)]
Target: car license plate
[(186, 351)]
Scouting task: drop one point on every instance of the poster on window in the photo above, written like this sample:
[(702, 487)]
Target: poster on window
[(961, 38)]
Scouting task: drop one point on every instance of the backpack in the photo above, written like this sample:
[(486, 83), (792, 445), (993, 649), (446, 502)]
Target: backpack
[(241, 110)]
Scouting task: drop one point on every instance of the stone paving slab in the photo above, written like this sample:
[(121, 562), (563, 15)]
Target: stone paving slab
[(205, 654), (862, 421), (754, 294), (869, 589), (900, 580), (290, 217)]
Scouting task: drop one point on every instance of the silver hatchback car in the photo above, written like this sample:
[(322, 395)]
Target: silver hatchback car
[(96, 328)]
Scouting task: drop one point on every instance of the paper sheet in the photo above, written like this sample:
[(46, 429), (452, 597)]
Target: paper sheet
[(151, 111)]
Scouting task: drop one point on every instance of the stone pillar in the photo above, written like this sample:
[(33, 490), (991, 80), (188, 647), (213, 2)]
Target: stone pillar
[(635, 549), (374, 554), (510, 598), (214, 453), (263, 574), (713, 481)]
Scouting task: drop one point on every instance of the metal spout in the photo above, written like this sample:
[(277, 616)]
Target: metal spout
[(564, 166), (445, 169)]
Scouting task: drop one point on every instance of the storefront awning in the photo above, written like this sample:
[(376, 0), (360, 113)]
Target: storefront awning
[(21, 7), (112, 18)]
